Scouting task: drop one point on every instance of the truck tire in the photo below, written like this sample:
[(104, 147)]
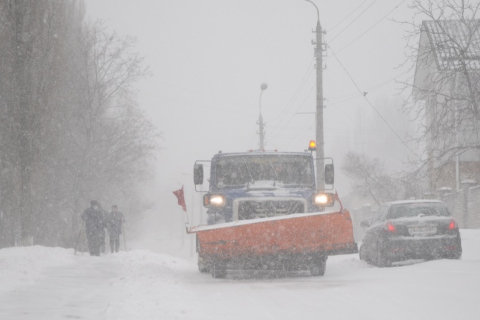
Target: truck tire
[(318, 266), (204, 268), (219, 270), (203, 265)]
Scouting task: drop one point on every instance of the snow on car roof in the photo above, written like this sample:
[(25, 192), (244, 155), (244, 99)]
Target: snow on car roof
[(412, 201)]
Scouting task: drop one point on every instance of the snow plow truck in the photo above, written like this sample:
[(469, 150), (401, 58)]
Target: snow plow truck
[(265, 213)]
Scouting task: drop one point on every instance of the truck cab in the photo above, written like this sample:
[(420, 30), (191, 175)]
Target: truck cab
[(259, 184)]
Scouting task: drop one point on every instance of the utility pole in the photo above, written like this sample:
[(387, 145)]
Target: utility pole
[(261, 130), (320, 154)]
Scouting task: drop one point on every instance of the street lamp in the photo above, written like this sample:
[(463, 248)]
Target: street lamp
[(263, 86), (318, 12)]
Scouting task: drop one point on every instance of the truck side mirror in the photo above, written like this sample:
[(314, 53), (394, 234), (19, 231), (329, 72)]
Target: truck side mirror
[(198, 174), (329, 174)]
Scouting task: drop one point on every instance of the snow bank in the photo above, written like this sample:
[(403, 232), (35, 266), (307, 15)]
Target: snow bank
[(470, 244), (24, 265), (51, 283)]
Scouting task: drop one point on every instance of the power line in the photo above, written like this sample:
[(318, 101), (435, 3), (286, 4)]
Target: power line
[(361, 4), (283, 113), (356, 95), (371, 27), (286, 124), (353, 21), (371, 105)]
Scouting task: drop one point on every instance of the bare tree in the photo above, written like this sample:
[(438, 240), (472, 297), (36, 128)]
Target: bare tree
[(445, 52), (370, 180), (109, 136), (70, 128)]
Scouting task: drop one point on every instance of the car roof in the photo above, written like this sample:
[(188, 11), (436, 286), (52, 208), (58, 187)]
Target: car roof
[(392, 203)]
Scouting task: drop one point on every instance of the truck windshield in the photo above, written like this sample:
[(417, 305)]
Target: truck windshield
[(286, 170)]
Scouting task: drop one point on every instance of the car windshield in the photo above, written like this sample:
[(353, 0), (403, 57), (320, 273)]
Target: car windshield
[(240, 170), (409, 210)]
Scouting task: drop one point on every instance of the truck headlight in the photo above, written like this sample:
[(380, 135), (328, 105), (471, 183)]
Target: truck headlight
[(214, 200), (323, 199)]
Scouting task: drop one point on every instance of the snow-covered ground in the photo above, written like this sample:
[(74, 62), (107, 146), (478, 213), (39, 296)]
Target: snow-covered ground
[(52, 283)]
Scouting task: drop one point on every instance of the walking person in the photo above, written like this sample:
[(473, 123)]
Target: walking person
[(94, 220), (114, 227), (103, 233)]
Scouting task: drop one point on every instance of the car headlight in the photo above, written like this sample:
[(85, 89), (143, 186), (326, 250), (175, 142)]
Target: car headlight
[(214, 200), (323, 199)]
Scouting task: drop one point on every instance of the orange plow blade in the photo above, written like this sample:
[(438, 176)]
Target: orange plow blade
[(324, 233)]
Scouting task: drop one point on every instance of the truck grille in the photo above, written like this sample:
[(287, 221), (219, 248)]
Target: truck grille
[(268, 208)]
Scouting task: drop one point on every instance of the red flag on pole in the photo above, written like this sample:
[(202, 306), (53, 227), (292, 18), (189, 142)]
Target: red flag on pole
[(338, 199), (181, 198)]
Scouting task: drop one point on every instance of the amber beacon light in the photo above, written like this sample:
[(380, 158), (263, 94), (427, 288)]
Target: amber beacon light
[(312, 146)]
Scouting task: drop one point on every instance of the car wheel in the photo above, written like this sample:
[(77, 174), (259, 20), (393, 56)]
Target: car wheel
[(317, 268), (455, 256), (361, 253), (382, 260), (458, 253)]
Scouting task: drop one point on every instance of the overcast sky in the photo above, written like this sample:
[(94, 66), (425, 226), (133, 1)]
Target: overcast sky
[(208, 59)]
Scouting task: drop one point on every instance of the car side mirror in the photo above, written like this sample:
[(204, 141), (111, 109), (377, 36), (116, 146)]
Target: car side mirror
[(329, 174), (365, 223), (198, 174)]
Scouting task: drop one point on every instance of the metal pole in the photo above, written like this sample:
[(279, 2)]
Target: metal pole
[(260, 123), (260, 119), (78, 238), (192, 239), (319, 138), (319, 109), (457, 121)]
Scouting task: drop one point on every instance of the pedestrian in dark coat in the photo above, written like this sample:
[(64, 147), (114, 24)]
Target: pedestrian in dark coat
[(105, 224), (114, 227), (95, 221)]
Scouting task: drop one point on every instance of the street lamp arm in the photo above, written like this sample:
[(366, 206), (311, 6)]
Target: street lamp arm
[(318, 12)]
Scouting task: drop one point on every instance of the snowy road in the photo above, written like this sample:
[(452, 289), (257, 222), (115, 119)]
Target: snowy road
[(78, 291), (51, 283)]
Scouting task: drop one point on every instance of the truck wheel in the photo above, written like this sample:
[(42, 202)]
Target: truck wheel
[(203, 265), (219, 270), (317, 268)]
